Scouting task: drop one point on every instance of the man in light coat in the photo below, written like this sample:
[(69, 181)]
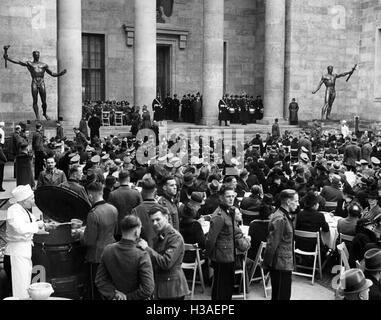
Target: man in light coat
[(21, 225)]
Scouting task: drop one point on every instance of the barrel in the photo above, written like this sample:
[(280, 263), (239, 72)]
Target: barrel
[(64, 267)]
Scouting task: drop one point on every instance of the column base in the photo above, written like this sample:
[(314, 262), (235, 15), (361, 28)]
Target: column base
[(270, 120), (209, 122)]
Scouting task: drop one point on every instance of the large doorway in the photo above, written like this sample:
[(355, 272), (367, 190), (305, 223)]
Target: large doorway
[(163, 81)]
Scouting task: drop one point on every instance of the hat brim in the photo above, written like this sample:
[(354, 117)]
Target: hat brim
[(368, 283), (372, 269)]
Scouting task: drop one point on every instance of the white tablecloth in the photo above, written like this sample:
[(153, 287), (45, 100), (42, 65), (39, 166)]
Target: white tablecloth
[(329, 238)]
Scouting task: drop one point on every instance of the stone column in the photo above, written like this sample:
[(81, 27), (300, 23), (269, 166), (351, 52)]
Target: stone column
[(213, 59), (69, 52), (145, 53), (275, 35)]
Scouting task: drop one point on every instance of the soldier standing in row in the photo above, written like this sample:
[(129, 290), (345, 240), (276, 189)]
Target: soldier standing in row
[(258, 104), (168, 107), (223, 114), (158, 109), (175, 108)]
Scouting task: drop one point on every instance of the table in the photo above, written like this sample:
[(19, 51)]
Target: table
[(329, 238)]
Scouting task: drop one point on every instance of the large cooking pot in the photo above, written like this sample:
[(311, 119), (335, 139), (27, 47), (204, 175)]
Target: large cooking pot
[(62, 256), (61, 205)]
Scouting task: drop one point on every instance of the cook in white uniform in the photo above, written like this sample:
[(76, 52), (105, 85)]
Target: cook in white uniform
[(21, 225)]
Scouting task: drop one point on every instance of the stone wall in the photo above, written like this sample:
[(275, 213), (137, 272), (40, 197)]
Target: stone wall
[(240, 27), (26, 26), (369, 94), (240, 35), (107, 18), (322, 33)]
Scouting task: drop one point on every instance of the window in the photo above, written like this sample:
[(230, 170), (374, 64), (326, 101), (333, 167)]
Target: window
[(93, 69)]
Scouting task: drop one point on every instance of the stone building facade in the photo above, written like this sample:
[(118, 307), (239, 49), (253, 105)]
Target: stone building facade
[(276, 48)]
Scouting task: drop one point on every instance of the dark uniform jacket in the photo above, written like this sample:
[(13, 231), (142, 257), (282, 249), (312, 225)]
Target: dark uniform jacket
[(279, 253), (167, 256), (125, 268), (223, 114), (172, 207), (222, 239), (54, 178), (124, 199), (141, 211), (352, 153), (375, 289), (100, 229), (24, 174), (37, 141)]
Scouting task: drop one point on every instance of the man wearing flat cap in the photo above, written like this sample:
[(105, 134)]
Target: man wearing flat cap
[(373, 272), (21, 225)]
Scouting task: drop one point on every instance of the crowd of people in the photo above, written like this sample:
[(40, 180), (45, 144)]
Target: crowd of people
[(146, 207), (236, 109)]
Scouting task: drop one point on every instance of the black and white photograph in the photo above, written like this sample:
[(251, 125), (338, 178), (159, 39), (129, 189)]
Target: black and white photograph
[(196, 155)]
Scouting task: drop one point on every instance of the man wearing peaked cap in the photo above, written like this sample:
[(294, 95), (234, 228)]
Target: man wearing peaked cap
[(373, 272), (96, 159), (75, 159), (354, 285), (304, 157), (105, 157), (304, 150), (375, 161), (168, 166)]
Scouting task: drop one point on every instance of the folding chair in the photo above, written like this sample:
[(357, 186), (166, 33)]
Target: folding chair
[(344, 237), (316, 254), (242, 273), (194, 266), (118, 118), (258, 263), (344, 257), (105, 118)]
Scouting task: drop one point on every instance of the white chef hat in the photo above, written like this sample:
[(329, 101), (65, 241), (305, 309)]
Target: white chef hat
[(21, 193)]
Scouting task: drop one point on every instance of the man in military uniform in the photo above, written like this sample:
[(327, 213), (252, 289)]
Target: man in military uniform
[(232, 109), (223, 110), (183, 104), (167, 256), (168, 201), (38, 149), (258, 104), (243, 110), (251, 107), (197, 108), (158, 109), (175, 108), (168, 107)]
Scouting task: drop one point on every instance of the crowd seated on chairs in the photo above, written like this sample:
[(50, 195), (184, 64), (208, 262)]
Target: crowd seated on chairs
[(112, 107), (319, 174)]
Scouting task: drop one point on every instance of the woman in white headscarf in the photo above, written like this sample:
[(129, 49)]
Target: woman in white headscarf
[(21, 225)]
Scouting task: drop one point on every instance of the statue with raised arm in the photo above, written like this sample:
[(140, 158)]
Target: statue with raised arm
[(37, 71), (329, 80)]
